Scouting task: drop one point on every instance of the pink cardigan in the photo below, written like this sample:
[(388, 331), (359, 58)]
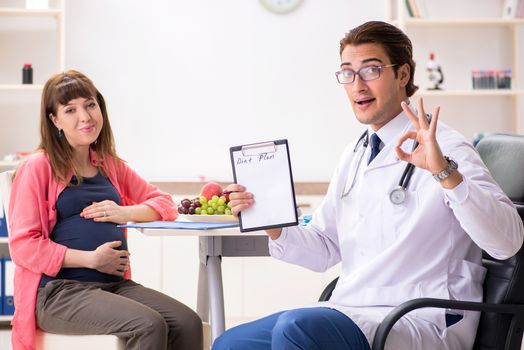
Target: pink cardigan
[(32, 216)]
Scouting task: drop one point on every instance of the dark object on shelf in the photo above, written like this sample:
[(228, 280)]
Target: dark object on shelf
[(491, 79), (27, 74), (503, 79)]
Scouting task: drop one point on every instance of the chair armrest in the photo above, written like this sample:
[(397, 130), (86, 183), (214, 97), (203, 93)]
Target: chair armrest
[(326, 293), (385, 326)]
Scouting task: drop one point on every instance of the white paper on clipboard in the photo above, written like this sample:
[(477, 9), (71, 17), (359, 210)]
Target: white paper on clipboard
[(264, 169)]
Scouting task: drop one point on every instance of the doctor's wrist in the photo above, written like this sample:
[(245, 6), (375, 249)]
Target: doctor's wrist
[(448, 167), (452, 180), (274, 233)]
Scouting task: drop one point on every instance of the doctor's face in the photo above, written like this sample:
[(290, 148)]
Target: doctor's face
[(375, 101)]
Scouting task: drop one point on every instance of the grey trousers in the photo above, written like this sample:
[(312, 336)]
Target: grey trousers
[(145, 318)]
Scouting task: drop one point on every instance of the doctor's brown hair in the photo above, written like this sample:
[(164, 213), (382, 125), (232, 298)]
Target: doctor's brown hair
[(397, 45), (59, 90)]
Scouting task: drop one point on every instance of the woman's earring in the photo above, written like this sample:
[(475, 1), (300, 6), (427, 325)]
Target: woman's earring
[(60, 134)]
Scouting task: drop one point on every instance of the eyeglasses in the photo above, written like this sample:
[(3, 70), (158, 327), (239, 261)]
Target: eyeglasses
[(347, 76)]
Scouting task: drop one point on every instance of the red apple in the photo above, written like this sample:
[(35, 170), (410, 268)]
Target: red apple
[(225, 194), (211, 189)]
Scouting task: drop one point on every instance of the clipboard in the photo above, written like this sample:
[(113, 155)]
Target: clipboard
[(265, 170)]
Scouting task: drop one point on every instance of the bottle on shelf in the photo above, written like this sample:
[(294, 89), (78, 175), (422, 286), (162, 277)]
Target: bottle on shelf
[(504, 78), (491, 78), (27, 74)]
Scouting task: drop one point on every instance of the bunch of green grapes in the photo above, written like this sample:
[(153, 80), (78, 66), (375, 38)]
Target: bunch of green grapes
[(203, 206)]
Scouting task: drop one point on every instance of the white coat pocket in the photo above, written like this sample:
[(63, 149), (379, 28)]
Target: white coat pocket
[(396, 218)]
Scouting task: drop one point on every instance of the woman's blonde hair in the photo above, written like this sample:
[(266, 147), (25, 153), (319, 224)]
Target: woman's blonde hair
[(59, 90)]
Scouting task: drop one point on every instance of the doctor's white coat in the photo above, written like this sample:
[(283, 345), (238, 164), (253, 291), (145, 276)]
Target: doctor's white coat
[(429, 246)]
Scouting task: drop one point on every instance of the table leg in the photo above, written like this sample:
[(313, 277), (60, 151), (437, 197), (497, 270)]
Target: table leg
[(203, 293), (211, 249), (216, 296)]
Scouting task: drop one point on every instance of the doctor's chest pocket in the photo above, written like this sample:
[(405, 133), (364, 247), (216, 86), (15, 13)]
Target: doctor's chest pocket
[(396, 218), (384, 223)]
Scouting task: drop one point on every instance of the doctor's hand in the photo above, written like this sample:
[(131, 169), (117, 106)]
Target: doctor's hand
[(428, 154), (239, 198)]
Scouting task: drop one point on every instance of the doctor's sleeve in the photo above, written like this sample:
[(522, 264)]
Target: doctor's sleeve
[(482, 209), (314, 246)]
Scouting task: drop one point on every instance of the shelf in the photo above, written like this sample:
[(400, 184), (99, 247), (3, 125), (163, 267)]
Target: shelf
[(21, 87), (487, 92), (488, 38), (5, 318), (423, 22), (33, 13), (8, 164)]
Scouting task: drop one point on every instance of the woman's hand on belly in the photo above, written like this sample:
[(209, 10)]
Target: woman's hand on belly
[(109, 260), (109, 211), (106, 211)]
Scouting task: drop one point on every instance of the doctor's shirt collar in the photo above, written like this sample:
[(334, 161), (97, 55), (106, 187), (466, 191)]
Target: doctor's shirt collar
[(390, 133)]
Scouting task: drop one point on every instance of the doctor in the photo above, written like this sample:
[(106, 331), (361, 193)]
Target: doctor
[(400, 232)]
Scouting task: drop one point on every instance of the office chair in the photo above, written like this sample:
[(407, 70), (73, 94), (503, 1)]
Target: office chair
[(502, 311)]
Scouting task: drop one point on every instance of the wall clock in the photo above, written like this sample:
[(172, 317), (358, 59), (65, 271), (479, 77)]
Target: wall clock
[(281, 6)]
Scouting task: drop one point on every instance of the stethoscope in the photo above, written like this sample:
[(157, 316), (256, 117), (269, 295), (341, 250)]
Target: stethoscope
[(398, 194)]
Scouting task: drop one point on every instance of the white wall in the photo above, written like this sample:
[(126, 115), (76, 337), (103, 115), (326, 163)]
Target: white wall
[(268, 76), (185, 80)]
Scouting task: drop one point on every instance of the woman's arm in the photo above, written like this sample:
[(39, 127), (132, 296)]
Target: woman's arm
[(138, 194), (109, 211), (29, 218)]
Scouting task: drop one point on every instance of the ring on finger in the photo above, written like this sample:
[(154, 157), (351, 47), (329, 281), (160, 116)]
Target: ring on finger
[(105, 214)]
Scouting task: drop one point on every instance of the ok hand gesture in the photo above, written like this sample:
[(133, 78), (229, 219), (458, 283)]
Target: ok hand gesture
[(428, 154)]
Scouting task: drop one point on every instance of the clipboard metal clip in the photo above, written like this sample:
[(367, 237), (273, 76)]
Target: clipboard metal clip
[(256, 149)]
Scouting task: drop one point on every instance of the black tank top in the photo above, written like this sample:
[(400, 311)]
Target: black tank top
[(76, 232)]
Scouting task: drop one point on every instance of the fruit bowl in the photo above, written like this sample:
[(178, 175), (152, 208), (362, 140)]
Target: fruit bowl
[(208, 218), (213, 202)]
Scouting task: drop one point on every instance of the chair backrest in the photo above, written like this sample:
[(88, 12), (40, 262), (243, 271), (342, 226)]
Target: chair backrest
[(6, 181), (504, 283)]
